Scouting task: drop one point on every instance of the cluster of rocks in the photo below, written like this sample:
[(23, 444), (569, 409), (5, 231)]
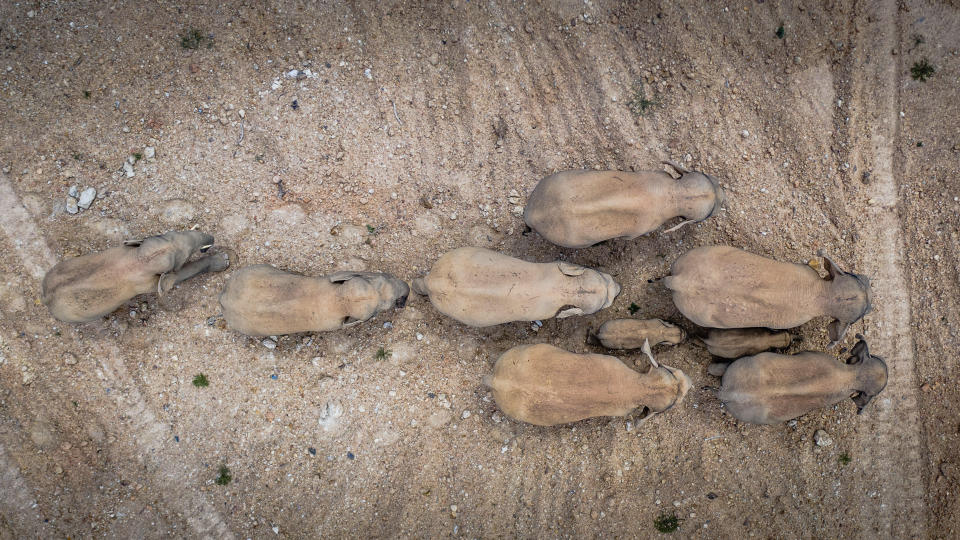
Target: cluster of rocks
[(80, 200)]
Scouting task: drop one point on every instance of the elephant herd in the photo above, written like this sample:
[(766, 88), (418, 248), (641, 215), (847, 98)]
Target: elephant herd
[(743, 299)]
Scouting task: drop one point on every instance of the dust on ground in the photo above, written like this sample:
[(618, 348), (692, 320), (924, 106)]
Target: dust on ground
[(379, 135)]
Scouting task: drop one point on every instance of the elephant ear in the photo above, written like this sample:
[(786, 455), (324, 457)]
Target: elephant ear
[(569, 269), (833, 271), (569, 312), (343, 276), (836, 330)]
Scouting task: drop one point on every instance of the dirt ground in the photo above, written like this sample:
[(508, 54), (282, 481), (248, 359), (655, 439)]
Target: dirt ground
[(379, 135)]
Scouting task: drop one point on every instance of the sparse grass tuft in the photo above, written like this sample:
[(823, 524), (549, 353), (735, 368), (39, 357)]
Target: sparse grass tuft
[(200, 381), (781, 32), (371, 229), (922, 70), (224, 478), (86, 94), (633, 309), (194, 39), (667, 523), (844, 459), (382, 354), (137, 156), (639, 104)]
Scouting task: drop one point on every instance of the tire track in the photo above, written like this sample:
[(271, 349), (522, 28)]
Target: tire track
[(17, 504), (889, 434), (166, 465)]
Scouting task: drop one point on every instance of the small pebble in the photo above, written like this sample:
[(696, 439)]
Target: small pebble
[(72, 207), (269, 343), (149, 152), (434, 59), (419, 336), (74, 192), (128, 169), (465, 415), (350, 455)]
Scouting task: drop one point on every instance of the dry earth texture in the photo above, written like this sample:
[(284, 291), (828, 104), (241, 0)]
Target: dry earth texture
[(378, 135)]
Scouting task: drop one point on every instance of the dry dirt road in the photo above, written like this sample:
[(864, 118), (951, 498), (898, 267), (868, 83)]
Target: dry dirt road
[(378, 135)]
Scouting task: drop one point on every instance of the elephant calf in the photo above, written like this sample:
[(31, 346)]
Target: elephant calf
[(83, 289), (261, 300)]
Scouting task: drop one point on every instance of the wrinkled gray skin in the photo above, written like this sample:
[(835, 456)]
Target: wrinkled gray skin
[(85, 288), (631, 333), (479, 287), (577, 209), (261, 300), (769, 388), (545, 385), (745, 341), (726, 287)]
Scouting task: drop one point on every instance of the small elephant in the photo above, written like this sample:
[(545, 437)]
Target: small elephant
[(545, 385), (479, 287), (577, 209), (769, 388), (261, 300), (632, 333), (726, 287), (83, 289), (739, 342)]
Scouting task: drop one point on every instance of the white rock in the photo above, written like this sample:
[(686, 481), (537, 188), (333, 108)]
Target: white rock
[(72, 205), (128, 169), (269, 343), (149, 152), (73, 192), (822, 438), (86, 198)]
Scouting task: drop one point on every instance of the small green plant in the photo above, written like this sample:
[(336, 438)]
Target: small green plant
[(639, 104), (844, 459), (86, 94), (633, 309), (922, 70), (194, 39), (918, 39), (224, 478), (382, 354), (781, 32), (667, 523), (77, 156), (919, 144), (137, 156), (371, 229), (200, 381)]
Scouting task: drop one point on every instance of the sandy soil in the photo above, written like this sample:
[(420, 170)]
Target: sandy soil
[(415, 122)]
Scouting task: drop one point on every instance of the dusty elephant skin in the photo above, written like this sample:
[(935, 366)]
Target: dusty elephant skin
[(726, 287), (545, 385), (577, 209), (83, 289), (479, 287), (631, 333), (770, 388), (261, 300), (745, 341)]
